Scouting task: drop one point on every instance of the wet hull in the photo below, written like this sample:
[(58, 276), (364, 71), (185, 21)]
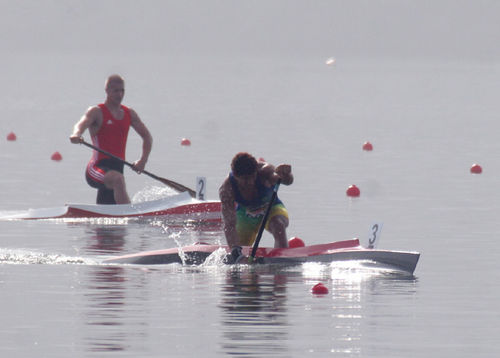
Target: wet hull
[(324, 253)]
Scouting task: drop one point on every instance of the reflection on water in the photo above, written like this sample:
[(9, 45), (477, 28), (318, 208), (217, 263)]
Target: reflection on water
[(105, 303), (111, 294), (106, 239), (351, 311), (254, 317), (109, 306), (259, 317)]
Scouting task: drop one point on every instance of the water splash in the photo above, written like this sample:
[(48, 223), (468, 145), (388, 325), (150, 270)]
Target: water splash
[(150, 193), (29, 257), (216, 258)]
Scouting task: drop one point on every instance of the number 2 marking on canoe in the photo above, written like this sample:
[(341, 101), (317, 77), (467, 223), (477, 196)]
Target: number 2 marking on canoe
[(374, 235), (200, 187)]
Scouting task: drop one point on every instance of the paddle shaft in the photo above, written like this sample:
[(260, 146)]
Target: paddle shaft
[(170, 183), (264, 221)]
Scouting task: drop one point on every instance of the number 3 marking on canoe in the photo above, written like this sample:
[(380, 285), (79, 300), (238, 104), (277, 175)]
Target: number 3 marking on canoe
[(374, 235)]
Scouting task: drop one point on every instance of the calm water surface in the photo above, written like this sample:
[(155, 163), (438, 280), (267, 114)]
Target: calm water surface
[(428, 122)]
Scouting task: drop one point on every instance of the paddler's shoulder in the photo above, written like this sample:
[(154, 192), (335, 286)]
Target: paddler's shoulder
[(226, 184), (265, 173), (226, 189), (133, 114), (265, 169), (96, 109), (94, 114)]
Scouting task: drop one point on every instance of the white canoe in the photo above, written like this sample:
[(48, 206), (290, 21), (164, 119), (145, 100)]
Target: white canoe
[(178, 207)]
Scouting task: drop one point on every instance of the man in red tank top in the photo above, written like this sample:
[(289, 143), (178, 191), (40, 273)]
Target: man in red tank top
[(108, 124)]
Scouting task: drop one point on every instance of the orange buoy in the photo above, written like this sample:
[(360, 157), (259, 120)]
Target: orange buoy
[(353, 191), (367, 146), (56, 156), (295, 242), (319, 289), (11, 136), (185, 141)]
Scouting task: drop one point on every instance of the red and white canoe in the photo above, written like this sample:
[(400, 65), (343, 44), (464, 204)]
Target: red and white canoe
[(335, 251), (180, 207)]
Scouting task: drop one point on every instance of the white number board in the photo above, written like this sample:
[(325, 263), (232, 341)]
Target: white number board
[(373, 236), (201, 187)]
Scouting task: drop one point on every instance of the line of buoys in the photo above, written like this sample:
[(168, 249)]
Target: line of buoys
[(476, 169), (319, 289), (185, 142), (56, 157), (353, 191), (11, 136)]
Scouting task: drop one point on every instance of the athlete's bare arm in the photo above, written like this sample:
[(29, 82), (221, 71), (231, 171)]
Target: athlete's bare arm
[(147, 140), (91, 120), (226, 196)]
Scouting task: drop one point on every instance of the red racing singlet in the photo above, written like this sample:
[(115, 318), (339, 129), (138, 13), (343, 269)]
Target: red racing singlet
[(112, 136)]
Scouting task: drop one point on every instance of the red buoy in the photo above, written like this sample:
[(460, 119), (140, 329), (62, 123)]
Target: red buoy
[(476, 169), (367, 146), (319, 289), (56, 156), (185, 141), (295, 242), (11, 136), (353, 191)]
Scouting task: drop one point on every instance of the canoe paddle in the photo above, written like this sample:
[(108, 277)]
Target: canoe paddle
[(170, 183), (264, 221)]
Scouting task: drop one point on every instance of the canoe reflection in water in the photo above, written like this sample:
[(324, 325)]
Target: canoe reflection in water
[(106, 301), (254, 315)]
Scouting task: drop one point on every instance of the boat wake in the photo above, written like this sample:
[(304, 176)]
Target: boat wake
[(29, 257), (12, 214)]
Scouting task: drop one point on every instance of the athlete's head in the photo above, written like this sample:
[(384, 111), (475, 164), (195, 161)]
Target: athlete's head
[(114, 80), (243, 164), (115, 88)]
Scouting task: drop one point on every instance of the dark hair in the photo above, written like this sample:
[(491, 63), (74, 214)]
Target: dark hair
[(243, 164)]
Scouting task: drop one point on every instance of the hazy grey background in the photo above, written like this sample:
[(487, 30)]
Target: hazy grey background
[(419, 79), (454, 29)]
